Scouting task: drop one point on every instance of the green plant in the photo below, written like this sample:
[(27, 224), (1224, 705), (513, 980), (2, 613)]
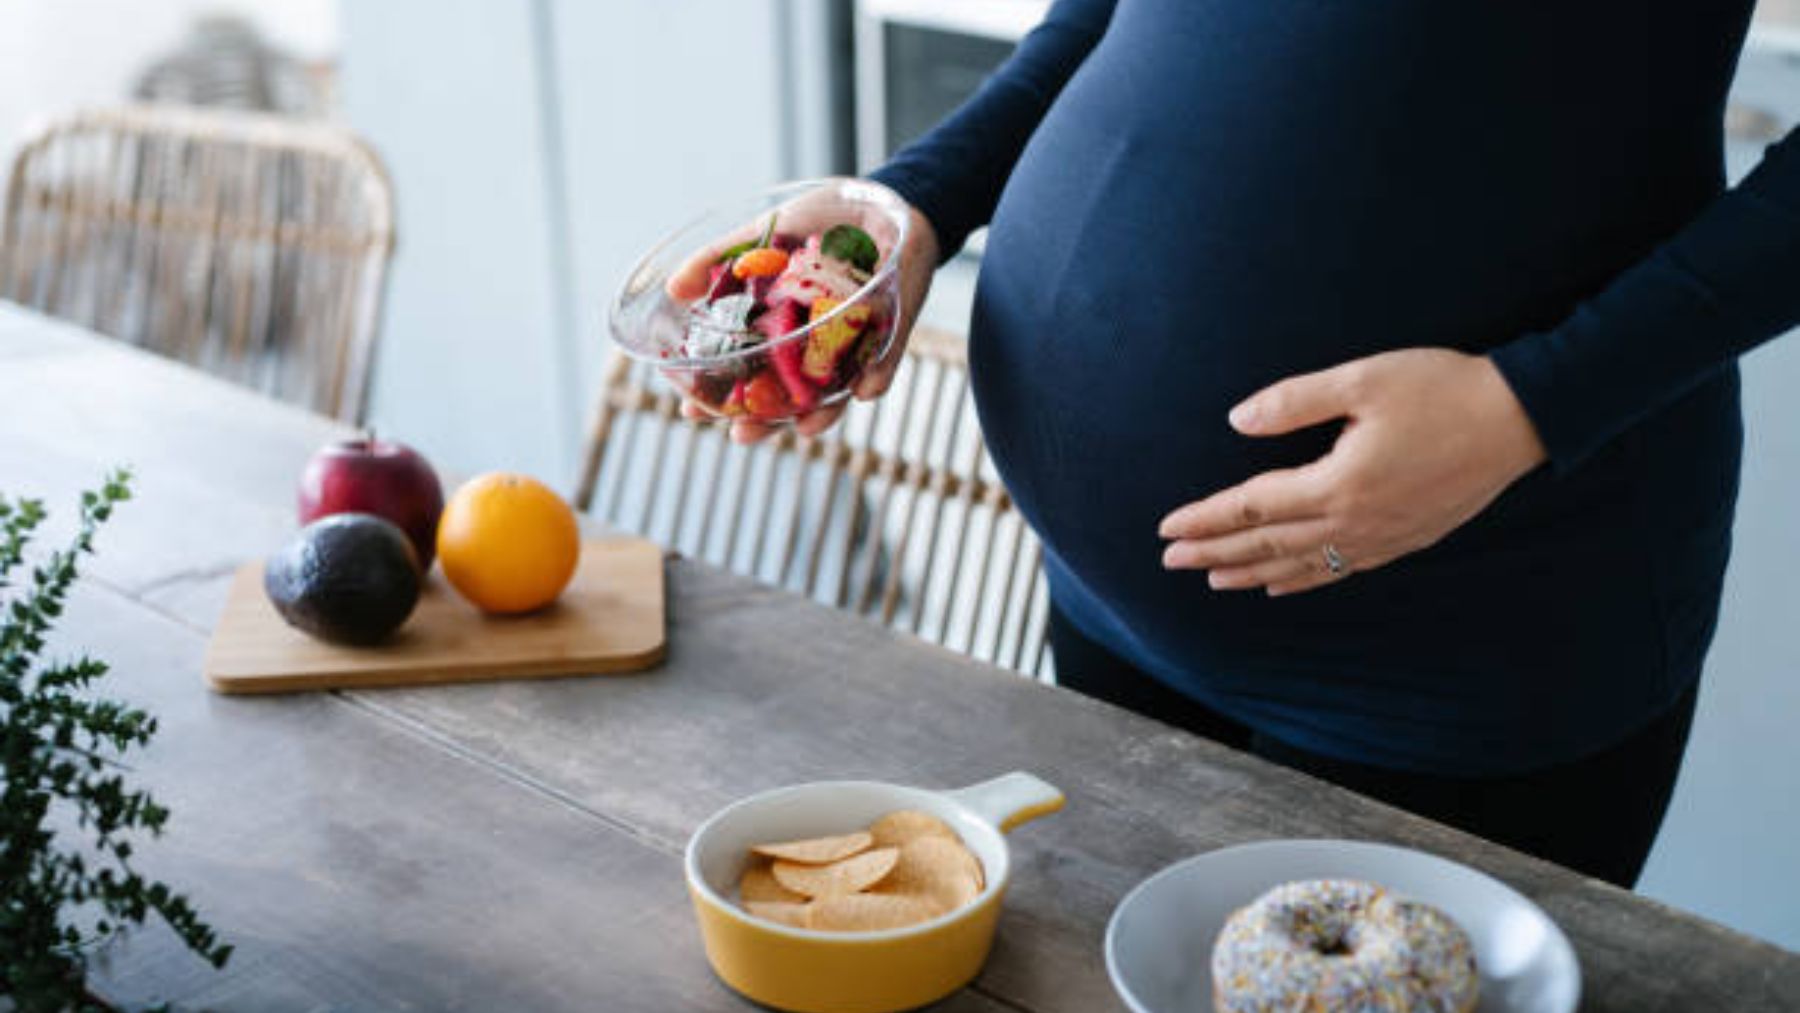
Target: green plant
[(59, 745)]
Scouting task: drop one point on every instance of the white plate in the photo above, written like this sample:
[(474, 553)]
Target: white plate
[(1159, 942)]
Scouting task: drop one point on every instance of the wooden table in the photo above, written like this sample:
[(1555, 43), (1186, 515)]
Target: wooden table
[(517, 846)]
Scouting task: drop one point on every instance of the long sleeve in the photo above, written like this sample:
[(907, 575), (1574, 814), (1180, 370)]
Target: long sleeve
[(1723, 284), (954, 174)]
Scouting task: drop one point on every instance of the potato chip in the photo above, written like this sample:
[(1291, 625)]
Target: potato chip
[(868, 912), (783, 912), (858, 872), (938, 869), (903, 825), (817, 850), (759, 884), (908, 867)]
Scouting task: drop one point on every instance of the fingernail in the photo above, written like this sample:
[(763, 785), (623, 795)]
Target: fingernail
[(1214, 581), (1243, 416)]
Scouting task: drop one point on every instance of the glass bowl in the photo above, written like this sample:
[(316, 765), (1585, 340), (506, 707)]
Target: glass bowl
[(789, 371)]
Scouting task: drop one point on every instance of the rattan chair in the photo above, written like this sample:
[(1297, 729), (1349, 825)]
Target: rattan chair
[(253, 247), (895, 513)]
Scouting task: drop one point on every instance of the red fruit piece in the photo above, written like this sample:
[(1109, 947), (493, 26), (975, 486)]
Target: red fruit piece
[(759, 289), (788, 366), (720, 282), (764, 397), (826, 345), (777, 321)]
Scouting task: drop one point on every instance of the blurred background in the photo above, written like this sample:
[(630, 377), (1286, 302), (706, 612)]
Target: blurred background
[(536, 147)]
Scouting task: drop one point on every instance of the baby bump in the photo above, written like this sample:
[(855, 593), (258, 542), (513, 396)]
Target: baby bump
[(1108, 344)]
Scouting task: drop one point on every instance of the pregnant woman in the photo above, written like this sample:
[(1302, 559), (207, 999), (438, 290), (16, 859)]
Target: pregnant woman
[(1427, 310)]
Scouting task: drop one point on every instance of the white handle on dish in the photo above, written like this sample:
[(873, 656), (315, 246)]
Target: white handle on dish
[(1010, 799)]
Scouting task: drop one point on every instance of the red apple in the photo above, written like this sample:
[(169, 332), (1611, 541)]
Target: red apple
[(380, 477)]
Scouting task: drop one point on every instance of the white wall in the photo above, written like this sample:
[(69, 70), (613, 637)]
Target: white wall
[(56, 54), (1729, 845), (664, 110), (1728, 849), (448, 92)]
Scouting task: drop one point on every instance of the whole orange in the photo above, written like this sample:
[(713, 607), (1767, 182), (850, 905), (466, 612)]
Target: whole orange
[(508, 543)]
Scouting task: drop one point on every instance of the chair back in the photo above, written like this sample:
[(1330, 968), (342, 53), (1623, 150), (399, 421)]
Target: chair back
[(896, 513), (251, 246)]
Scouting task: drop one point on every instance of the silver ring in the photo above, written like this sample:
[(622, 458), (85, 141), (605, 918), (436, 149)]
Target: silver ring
[(1334, 561)]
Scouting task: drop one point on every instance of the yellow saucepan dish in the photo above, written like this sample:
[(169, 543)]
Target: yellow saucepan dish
[(854, 972)]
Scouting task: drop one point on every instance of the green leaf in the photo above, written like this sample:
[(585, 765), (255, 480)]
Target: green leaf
[(56, 747), (852, 245), (734, 252)]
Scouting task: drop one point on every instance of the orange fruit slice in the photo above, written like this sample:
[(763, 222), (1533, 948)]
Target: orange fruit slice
[(760, 263), (508, 543)]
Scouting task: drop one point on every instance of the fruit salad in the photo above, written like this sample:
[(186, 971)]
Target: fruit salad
[(781, 329)]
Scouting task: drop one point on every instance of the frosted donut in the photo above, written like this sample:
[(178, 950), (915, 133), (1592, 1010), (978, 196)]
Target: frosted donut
[(1332, 945)]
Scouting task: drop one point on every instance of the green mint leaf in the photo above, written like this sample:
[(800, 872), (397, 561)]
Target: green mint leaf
[(734, 252), (850, 244)]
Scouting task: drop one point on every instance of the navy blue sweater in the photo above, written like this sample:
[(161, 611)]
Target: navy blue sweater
[(1190, 199)]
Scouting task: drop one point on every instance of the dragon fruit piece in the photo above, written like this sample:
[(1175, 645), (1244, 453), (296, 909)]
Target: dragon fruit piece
[(788, 367), (776, 321), (811, 275), (780, 318)]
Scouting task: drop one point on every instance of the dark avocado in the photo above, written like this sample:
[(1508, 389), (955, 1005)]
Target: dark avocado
[(347, 578)]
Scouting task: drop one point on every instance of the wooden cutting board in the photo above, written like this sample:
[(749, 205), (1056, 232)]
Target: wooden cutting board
[(609, 619)]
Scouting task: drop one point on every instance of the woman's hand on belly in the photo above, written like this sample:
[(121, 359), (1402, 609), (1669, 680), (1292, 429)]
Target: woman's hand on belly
[(1431, 436)]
